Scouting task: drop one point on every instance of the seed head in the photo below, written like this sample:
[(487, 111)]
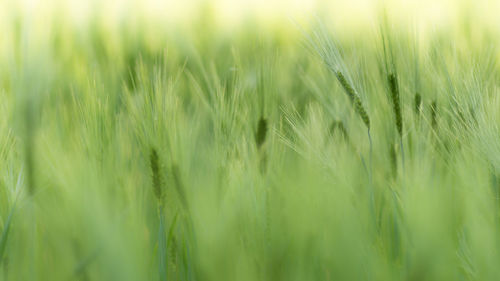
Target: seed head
[(434, 114), (155, 170), (260, 135), (418, 103), (394, 87), (354, 97)]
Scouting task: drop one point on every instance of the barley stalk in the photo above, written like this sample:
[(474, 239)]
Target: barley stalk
[(179, 186), (329, 52), (393, 157), (29, 147), (154, 160)]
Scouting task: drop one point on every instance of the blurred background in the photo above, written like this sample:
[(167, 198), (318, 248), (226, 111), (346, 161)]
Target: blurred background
[(227, 13), (99, 99)]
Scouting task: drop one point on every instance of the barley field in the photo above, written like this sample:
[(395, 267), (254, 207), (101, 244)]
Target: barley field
[(249, 140)]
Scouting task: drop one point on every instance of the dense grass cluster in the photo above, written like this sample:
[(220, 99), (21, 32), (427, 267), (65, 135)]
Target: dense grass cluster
[(134, 151)]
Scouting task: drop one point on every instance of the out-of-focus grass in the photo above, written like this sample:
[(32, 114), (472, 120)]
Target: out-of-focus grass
[(87, 91)]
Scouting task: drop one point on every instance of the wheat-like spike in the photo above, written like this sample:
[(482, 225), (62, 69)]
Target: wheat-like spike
[(155, 170), (260, 134), (418, 103), (394, 87), (354, 97), (434, 114), (329, 52)]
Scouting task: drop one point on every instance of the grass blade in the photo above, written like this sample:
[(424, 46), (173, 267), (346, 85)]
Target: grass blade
[(5, 234)]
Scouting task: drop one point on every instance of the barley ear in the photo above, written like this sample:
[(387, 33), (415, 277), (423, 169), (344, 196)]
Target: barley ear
[(154, 161), (418, 103), (353, 96), (260, 134), (434, 114), (394, 87)]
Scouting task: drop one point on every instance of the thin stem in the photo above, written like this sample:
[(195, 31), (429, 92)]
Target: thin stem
[(371, 156), (162, 246), (402, 155), (370, 175)]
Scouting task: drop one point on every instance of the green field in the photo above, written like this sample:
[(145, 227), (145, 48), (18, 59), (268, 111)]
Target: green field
[(135, 149)]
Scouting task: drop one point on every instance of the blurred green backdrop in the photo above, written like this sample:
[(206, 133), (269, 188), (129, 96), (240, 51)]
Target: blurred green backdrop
[(213, 140)]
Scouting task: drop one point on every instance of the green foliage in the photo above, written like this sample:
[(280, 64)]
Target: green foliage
[(5, 235), (131, 149)]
